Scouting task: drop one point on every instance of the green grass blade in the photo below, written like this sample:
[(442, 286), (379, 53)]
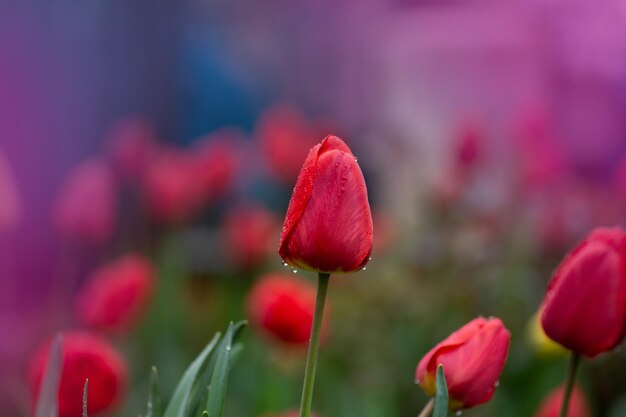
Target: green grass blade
[(179, 403), (154, 397), (219, 380), (48, 391), (441, 397)]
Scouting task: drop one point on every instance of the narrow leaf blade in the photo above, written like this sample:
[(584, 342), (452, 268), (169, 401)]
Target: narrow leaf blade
[(48, 390), (219, 379), (441, 397), (154, 397), (180, 400)]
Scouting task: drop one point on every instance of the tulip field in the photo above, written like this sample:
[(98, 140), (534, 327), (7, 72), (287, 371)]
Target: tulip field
[(264, 218)]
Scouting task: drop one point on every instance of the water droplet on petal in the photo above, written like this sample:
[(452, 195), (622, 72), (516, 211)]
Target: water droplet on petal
[(364, 268), (294, 270), (497, 384), (285, 263)]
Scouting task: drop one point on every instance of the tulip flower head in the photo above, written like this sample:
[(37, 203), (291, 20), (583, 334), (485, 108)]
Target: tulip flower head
[(282, 306), (328, 227), (551, 406), (86, 208), (584, 308), (217, 160), (473, 358), (85, 356), (115, 296)]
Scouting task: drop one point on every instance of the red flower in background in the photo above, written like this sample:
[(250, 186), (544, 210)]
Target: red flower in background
[(9, 196), (171, 188), (85, 356), (551, 406), (282, 306), (86, 207), (131, 142), (249, 233), (328, 226), (285, 138), (468, 147), (217, 158), (585, 306), (473, 358), (115, 295)]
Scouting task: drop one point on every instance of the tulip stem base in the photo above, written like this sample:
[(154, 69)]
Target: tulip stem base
[(569, 386), (428, 408), (314, 345)]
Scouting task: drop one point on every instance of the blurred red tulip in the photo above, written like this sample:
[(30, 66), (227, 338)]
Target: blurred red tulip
[(551, 406), (9, 196), (86, 207), (282, 306), (468, 147), (217, 159), (285, 138), (85, 356), (250, 231), (115, 295), (585, 306), (328, 226), (172, 190), (473, 358), (131, 143)]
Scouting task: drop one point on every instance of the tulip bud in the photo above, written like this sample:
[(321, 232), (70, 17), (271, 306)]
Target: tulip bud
[(584, 308), (115, 296), (551, 406), (473, 358), (217, 157), (172, 190), (85, 356), (328, 226), (248, 231), (283, 307), (86, 208)]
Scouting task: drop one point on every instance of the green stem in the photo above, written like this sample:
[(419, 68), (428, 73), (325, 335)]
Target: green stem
[(428, 408), (314, 345), (571, 378)]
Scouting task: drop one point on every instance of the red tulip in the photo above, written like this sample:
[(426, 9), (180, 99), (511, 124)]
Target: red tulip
[(85, 356), (172, 190), (86, 208), (115, 296), (468, 147), (249, 230), (285, 138), (132, 143), (217, 159), (282, 306), (9, 196), (473, 358), (328, 226), (585, 306), (551, 406)]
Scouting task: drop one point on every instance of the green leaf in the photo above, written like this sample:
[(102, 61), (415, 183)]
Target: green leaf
[(154, 397), (441, 397), (219, 379), (179, 403), (48, 391), (85, 390)]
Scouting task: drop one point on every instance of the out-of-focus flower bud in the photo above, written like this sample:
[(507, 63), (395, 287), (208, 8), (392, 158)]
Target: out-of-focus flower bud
[(551, 406), (115, 295), (282, 306), (85, 356), (249, 233), (86, 207), (131, 142)]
